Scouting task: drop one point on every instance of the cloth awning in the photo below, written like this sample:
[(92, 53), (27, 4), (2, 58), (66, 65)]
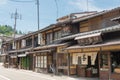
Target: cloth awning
[(13, 56), (22, 55), (107, 43), (87, 36)]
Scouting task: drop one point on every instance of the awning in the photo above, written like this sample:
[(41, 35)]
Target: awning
[(41, 51), (103, 46), (13, 56), (22, 55), (23, 50), (51, 46), (87, 36), (3, 54), (115, 19), (13, 51)]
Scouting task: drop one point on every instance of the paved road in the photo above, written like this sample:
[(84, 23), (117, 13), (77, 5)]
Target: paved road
[(15, 74)]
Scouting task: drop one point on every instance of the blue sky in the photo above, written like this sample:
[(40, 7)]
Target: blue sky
[(47, 11)]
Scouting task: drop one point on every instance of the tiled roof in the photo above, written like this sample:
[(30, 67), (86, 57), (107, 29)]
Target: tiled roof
[(104, 30)]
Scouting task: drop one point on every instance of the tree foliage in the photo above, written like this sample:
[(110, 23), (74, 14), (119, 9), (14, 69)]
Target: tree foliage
[(8, 30)]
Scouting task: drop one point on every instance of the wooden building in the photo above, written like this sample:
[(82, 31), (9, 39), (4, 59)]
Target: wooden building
[(82, 44), (97, 46)]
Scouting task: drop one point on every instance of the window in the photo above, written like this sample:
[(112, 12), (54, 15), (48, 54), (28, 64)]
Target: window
[(29, 42), (115, 62), (49, 39), (41, 61), (66, 31), (62, 59), (104, 61), (57, 35), (36, 41)]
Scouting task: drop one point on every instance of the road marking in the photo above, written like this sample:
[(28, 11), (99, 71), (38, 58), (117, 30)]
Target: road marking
[(44, 77), (4, 77), (37, 76)]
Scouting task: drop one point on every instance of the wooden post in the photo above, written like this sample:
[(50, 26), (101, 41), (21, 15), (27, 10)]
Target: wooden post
[(33, 62), (68, 62), (99, 60), (56, 64)]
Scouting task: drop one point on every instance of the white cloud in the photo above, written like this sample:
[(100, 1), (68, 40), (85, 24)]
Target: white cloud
[(82, 5), (3, 2)]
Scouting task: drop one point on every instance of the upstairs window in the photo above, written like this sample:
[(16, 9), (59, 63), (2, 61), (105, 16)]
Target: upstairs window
[(49, 38), (57, 35), (29, 42)]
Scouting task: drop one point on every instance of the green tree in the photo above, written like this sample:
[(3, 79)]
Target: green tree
[(8, 30)]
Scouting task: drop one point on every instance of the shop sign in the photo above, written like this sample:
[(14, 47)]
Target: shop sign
[(61, 49), (91, 49), (114, 47)]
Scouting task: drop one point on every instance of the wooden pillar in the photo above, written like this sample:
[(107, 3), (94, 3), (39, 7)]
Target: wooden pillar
[(99, 60), (56, 63), (109, 64), (68, 62), (33, 62)]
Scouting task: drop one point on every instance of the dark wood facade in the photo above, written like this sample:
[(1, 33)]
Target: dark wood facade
[(86, 46)]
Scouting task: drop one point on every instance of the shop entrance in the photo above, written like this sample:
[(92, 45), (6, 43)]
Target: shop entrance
[(115, 62), (86, 64), (90, 69)]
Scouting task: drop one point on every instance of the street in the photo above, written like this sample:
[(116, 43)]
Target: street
[(16, 74)]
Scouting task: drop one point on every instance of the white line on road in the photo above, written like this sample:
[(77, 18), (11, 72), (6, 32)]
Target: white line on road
[(48, 78), (4, 77), (37, 76)]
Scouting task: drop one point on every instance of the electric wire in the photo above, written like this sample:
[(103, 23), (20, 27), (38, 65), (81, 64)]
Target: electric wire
[(56, 7), (22, 1)]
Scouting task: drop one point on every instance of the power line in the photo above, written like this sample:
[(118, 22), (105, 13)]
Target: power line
[(56, 7), (15, 16), (22, 1), (25, 1)]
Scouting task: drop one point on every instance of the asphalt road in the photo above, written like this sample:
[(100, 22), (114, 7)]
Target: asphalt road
[(16, 74)]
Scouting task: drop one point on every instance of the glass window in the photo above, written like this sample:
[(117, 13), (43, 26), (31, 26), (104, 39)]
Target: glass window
[(115, 62), (49, 38), (57, 35), (104, 61)]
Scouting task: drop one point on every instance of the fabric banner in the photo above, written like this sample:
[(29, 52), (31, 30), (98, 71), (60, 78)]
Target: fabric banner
[(84, 59), (75, 59)]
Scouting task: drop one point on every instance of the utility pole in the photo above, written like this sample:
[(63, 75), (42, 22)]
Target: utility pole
[(38, 14), (15, 16)]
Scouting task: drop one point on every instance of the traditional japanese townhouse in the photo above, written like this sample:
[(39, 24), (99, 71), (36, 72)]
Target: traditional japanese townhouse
[(45, 54), (24, 46), (17, 52), (4, 47), (97, 48), (68, 28)]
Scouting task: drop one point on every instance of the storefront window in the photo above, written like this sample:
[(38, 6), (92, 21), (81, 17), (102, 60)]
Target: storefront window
[(104, 60), (115, 62), (41, 61), (62, 59)]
